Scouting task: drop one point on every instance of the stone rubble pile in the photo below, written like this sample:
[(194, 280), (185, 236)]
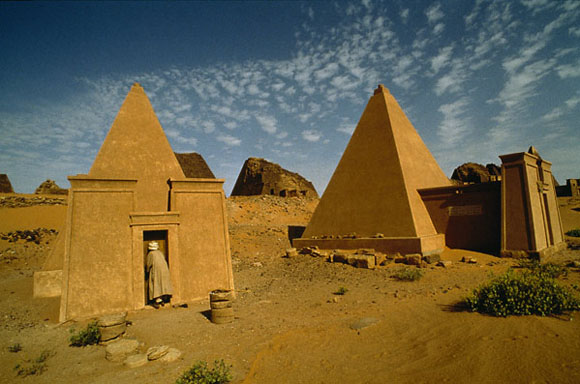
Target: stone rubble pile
[(367, 258), (21, 201), (28, 235)]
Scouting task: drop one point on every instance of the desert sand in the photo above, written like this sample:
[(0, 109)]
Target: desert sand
[(289, 326)]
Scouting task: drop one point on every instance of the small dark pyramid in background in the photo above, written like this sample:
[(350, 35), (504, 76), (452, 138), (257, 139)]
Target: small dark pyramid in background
[(261, 177), (194, 166), (49, 187), (5, 186)]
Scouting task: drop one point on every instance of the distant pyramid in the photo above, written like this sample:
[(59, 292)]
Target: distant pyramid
[(374, 187), (136, 148), (194, 166)]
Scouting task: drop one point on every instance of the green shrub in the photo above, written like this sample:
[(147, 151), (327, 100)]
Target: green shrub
[(341, 291), (525, 293), (201, 374), (408, 274), (549, 269), (574, 233), (88, 336)]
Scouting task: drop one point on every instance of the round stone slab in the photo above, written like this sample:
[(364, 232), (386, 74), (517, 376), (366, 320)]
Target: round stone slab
[(119, 350), (157, 352), (171, 355), (135, 361), (111, 320)]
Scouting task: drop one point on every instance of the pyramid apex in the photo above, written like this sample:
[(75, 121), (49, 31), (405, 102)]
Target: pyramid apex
[(381, 89)]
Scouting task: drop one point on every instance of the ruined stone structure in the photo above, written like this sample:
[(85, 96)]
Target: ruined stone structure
[(389, 194), (372, 200), (194, 166), (5, 185), (261, 177), (136, 192), (49, 187), (476, 173), (572, 188)]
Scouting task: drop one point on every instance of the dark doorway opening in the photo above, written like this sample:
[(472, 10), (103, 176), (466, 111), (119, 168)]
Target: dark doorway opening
[(160, 237)]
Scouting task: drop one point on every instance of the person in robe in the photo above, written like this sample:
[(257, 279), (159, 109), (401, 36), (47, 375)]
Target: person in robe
[(159, 280)]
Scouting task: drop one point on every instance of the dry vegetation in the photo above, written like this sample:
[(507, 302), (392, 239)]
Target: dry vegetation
[(291, 326)]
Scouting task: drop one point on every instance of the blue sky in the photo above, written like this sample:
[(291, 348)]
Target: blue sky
[(288, 81)]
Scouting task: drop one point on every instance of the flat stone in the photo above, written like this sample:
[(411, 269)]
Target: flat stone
[(119, 350), (291, 252), (115, 319), (171, 355), (135, 361), (444, 263), (363, 323), (362, 261)]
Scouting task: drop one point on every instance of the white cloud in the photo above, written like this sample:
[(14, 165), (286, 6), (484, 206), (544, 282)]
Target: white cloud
[(231, 125), (267, 123), (404, 14), (229, 140), (311, 135), (454, 125), (566, 71), (208, 126), (442, 59), (434, 13)]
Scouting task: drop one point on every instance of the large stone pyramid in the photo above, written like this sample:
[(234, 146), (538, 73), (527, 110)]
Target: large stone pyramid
[(372, 199), (136, 148)]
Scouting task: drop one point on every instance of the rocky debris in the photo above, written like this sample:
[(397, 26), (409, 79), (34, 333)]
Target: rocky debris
[(431, 259), (261, 177), (121, 349), (171, 355), (21, 202), (5, 185), (135, 361), (49, 187), (413, 259), (476, 173), (157, 352), (28, 235), (444, 263), (194, 166), (112, 326), (469, 260), (291, 252)]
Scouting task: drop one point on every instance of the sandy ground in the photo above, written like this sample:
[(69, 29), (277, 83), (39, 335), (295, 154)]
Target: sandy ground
[(289, 326)]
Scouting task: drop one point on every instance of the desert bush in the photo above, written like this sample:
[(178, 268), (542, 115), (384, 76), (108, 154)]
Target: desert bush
[(574, 232), (525, 293), (88, 336), (408, 274), (33, 367), (15, 348), (341, 291), (549, 269), (201, 374)]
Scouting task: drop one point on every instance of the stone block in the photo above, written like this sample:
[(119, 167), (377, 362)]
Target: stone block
[(115, 319), (413, 259), (430, 259), (444, 263), (362, 261), (291, 252)]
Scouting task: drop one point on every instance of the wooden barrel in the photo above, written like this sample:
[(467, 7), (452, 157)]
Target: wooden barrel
[(220, 302)]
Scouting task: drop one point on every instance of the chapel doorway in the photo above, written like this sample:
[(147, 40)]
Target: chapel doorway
[(160, 236)]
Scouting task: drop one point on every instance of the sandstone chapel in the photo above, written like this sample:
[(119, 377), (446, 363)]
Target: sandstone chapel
[(136, 192)]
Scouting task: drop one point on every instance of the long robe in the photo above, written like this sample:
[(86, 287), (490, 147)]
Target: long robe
[(159, 278)]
